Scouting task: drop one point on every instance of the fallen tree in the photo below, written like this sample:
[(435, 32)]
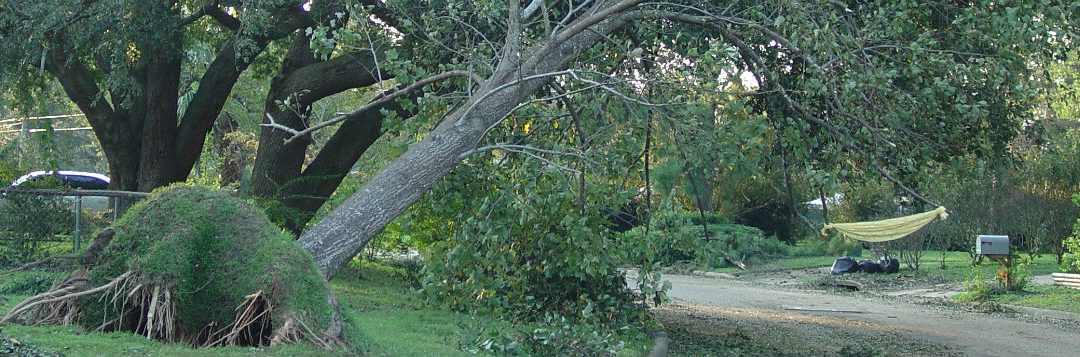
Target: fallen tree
[(880, 98)]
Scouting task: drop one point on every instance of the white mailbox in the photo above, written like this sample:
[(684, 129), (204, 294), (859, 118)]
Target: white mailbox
[(992, 245)]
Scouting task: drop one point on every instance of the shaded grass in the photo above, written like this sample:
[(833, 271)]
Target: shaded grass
[(388, 319)]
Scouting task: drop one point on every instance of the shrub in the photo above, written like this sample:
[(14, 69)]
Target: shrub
[(811, 247), (673, 242), (1070, 261), (1020, 273), (523, 255), (980, 286), (526, 245), (552, 336), (985, 282), (838, 245)]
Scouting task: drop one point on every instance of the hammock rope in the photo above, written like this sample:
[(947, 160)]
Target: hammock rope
[(886, 230)]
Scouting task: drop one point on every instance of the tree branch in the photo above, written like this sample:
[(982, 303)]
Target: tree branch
[(222, 18), (218, 81), (417, 85), (527, 150), (79, 85), (587, 22)]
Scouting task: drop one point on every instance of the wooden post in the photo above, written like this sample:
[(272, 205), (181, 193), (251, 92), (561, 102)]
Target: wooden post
[(1006, 261), (78, 225)]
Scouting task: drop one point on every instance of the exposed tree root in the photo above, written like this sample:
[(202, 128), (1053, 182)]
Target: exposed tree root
[(61, 299), (250, 327), (150, 309)]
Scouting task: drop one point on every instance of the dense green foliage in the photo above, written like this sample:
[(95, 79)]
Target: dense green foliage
[(676, 241), (527, 255), (1070, 262)]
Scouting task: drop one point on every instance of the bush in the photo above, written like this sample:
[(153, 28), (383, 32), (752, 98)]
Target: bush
[(684, 218), (552, 336), (985, 282), (1070, 261), (13, 347), (980, 286), (676, 241), (1021, 274), (520, 255), (811, 247)]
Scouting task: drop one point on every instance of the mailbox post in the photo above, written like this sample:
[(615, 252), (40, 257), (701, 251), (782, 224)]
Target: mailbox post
[(996, 247)]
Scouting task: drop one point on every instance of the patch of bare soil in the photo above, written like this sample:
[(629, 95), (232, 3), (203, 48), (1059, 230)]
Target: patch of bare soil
[(901, 285), (697, 330)]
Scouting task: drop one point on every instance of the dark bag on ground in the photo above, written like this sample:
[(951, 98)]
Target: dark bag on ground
[(868, 266), (844, 265), (889, 265)]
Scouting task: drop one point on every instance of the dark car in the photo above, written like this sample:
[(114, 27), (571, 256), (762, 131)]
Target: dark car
[(74, 180), (70, 179)]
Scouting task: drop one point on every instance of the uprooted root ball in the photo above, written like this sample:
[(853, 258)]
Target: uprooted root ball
[(195, 266)]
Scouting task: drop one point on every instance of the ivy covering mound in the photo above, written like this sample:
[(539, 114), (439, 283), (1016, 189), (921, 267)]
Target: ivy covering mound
[(196, 266)]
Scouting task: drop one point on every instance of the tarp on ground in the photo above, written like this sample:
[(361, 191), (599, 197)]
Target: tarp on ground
[(886, 230)]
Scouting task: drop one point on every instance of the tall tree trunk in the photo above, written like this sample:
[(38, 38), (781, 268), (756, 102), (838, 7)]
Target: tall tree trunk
[(279, 171), (157, 160), (277, 164)]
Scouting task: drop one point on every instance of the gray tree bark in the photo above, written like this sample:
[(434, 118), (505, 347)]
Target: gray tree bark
[(347, 229)]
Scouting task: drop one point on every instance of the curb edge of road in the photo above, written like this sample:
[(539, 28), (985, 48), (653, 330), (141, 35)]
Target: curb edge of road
[(1045, 313)]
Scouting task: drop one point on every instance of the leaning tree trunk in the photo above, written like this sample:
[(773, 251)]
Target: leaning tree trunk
[(349, 227)]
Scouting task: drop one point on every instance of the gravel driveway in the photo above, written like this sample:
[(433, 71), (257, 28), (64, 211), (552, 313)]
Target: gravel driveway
[(873, 325)]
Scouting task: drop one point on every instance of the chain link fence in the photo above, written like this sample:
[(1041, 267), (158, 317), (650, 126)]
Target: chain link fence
[(39, 222)]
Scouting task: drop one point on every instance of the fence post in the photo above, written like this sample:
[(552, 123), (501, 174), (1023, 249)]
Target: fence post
[(78, 225)]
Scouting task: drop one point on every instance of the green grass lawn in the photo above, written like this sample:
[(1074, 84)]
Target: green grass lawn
[(1045, 297), (383, 317), (390, 320), (957, 269), (957, 265)]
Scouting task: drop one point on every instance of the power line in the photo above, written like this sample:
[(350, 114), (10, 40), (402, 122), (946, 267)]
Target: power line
[(59, 116), (43, 130)]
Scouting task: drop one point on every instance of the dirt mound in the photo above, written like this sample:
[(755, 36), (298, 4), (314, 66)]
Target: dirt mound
[(195, 266)]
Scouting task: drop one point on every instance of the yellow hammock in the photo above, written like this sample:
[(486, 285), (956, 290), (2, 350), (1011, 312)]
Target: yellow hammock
[(886, 230)]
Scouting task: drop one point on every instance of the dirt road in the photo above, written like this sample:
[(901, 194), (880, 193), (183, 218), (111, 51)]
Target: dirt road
[(714, 309)]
